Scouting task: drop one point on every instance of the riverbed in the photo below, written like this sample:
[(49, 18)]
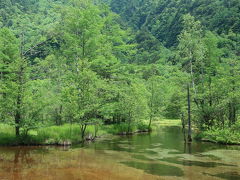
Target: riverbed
[(161, 154)]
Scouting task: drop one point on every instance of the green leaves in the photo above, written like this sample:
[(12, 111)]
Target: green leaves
[(9, 57), (78, 62)]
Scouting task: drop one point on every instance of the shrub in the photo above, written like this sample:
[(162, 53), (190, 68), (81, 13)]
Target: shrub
[(141, 126), (120, 128), (227, 135)]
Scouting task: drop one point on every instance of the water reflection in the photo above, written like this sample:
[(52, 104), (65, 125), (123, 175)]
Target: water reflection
[(229, 175), (156, 169), (195, 163), (165, 138), (151, 151), (159, 155)]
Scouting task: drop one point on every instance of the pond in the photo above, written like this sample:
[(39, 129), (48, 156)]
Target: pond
[(159, 155)]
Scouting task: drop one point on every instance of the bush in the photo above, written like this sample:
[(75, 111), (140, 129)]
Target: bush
[(227, 135), (141, 126), (120, 128)]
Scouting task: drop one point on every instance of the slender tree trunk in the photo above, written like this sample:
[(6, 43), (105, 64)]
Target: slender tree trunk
[(232, 104), (59, 116), (19, 102), (193, 83), (18, 117), (19, 99), (183, 127), (150, 122), (210, 91), (83, 129), (95, 130), (129, 121), (189, 115), (151, 107), (232, 113)]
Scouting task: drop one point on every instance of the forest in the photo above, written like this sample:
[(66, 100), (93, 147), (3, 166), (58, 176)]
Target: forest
[(70, 69)]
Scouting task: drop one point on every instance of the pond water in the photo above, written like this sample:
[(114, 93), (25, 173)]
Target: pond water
[(159, 155)]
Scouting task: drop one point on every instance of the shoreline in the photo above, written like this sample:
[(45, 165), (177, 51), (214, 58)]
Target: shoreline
[(68, 143), (64, 140), (220, 143)]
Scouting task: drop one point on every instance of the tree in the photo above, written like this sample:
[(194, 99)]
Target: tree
[(192, 52), (88, 57), (133, 103), (156, 97), (13, 79), (80, 98)]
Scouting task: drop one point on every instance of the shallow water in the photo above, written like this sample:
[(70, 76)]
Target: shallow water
[(159, 155)]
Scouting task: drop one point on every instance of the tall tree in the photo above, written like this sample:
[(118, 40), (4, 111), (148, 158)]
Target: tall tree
[(192, 52), (13, 79)]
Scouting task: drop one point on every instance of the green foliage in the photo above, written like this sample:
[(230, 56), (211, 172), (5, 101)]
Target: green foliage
[(56, 134), (142, 126), (227, 135), (122, 128), (164, 18), (52, 135), (65, 62)]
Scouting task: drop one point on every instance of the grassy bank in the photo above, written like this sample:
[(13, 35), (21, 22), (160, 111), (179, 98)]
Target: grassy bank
[(62, 135), (167, 122), (228, 135), (71, 134), (53, 135)]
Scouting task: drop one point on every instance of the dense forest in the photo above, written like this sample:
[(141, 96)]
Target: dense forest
[(125, 63)]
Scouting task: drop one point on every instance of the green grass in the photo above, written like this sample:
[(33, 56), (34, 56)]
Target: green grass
[(119, 128), (71, 133), (227, 135), (167, 122), (123, 128), (57, 134), (67, 132), (7, 134), (46, 136)]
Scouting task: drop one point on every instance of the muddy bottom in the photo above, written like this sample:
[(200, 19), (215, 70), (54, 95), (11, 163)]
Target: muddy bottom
[(159, 155)]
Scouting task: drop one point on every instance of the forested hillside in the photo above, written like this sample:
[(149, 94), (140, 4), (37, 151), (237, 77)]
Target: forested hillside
[(123, 62), (163, 18)]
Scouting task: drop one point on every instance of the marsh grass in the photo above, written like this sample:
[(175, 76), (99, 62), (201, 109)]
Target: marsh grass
[(167, 122), (55, 135), (124, 128), (52, 135), (67, 132), (119, 128), (226, 135), (7, 134)]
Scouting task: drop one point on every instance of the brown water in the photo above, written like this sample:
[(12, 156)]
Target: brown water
[(159, 155)]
